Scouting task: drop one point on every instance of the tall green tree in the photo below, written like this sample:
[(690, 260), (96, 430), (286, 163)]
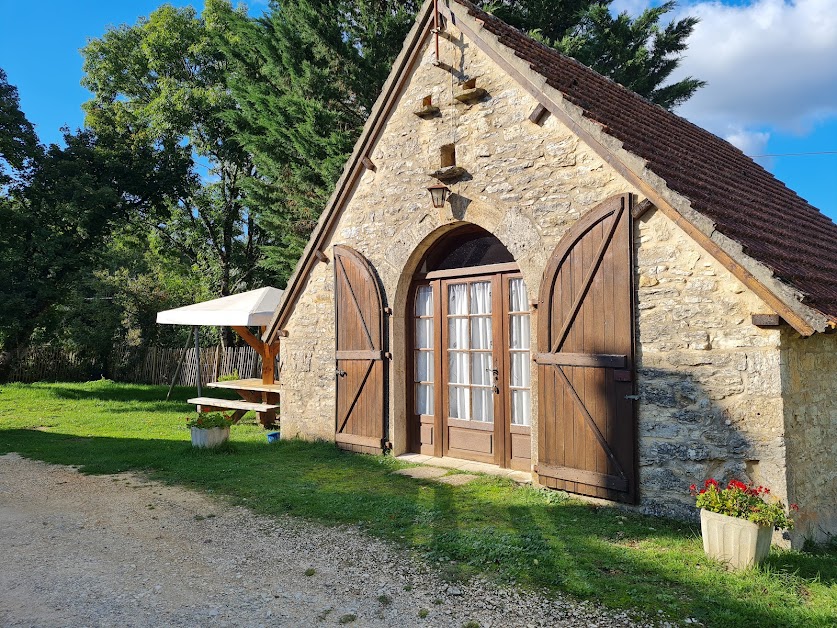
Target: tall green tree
[(306, 74), (19, 144), (57, 226), (162, 83), (305, 77)]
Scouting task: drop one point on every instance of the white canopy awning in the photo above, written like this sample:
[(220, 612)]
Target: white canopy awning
[(248, 309)]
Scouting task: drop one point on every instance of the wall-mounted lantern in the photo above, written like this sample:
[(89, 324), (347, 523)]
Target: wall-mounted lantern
[(439, 194)]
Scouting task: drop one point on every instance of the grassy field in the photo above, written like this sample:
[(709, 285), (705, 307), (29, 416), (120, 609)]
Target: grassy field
[(521, 534)]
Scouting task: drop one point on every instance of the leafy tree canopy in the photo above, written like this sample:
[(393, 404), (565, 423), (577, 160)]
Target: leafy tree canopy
[(162, 83), (18, 140)]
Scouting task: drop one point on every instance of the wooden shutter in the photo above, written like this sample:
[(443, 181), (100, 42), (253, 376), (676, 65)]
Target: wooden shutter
[(586, 428), (360, 371)]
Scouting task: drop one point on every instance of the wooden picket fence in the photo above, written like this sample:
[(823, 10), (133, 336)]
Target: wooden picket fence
[(35, 364), (152, 365)]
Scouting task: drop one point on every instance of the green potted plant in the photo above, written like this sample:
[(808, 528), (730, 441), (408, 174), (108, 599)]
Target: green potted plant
[(737, 522), (209, 429)]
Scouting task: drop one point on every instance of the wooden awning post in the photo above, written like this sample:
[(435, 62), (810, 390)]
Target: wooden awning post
[(267, 351)]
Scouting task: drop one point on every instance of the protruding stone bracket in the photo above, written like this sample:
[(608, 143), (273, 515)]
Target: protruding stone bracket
[(539, 115), (449, 173), (766, 320), (470, 92), (428, 109), (641, 208)]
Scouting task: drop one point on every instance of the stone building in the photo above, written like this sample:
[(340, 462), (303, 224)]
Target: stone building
[(610, 297)]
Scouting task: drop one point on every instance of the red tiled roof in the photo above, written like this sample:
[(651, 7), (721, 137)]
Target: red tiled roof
[(747, 204)]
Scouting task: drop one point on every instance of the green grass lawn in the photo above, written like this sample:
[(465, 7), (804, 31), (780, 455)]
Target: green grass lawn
[(536, 538)]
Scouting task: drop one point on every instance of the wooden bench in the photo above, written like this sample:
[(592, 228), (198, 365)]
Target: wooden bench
[(255, 385), (210, 404)]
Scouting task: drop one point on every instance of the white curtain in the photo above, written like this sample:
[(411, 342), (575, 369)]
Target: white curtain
[(424, 359), (424, 366), (424, 301), (424, 333), (458, 367), (481, 366), (457, 333), (521, 407), (481, 297), (483, 404), (520, 370), (424, 399), (519, 345), (518, 299), (460, 403), (458, 299)]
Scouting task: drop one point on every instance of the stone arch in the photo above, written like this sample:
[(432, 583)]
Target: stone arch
[(398, 412)]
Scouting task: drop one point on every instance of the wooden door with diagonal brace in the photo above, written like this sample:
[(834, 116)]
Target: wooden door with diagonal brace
[(586, 427), (360, 371)]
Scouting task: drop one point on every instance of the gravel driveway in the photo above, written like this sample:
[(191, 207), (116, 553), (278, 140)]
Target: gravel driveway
[(117, 550)]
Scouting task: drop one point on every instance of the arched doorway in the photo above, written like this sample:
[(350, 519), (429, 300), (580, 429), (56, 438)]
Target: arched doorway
[(468, 376)]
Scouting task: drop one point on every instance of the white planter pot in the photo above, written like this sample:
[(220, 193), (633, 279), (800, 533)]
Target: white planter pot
[(211, 437), (737, 542)]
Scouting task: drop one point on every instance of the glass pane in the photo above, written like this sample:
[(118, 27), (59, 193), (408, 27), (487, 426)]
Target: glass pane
[(424, 333), (458, 299), (521, 407), (460, 403), (483, 400), (481, 332), (520, 369), (458, 364), (424, 399), (519, 335), (518, 299), (424, 366), (424, 301), (481, 374), (481, 297), (457, 333)]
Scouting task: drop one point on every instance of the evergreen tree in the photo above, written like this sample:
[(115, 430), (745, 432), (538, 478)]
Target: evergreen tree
[(306, 75), (636, 53)]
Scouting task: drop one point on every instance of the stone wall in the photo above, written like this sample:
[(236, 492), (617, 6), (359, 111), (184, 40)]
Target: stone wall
[(527, 184), (809, 380), (709, 380)]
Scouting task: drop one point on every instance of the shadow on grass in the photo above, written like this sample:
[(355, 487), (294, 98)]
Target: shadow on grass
[(152, 398), (517, 534)]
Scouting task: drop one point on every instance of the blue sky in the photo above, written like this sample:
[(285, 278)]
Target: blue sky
[(770, 65)]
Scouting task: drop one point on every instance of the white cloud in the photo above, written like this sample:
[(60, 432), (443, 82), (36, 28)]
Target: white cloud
[(770, 63), (753, 143)]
